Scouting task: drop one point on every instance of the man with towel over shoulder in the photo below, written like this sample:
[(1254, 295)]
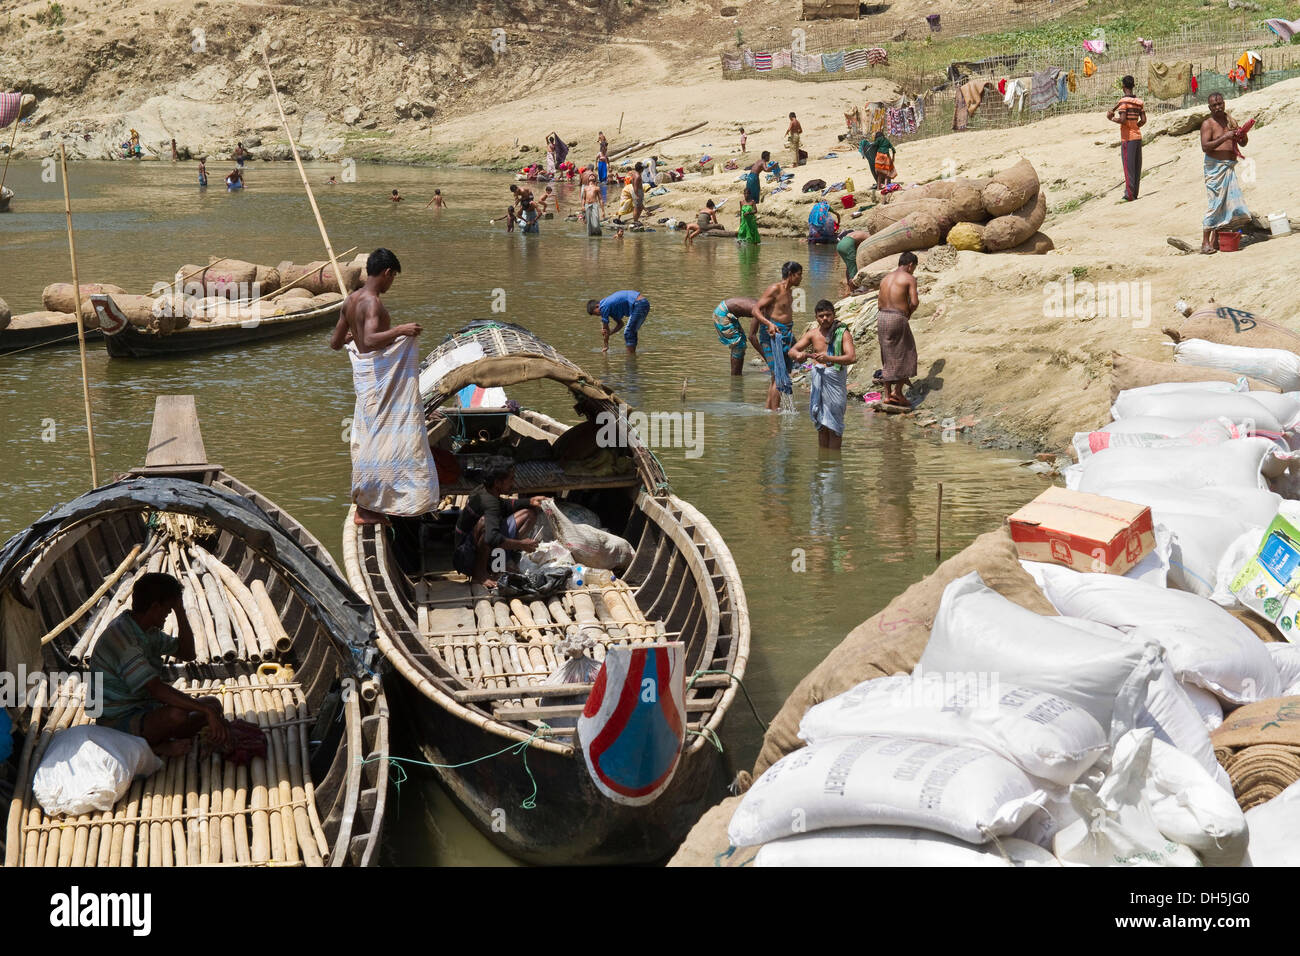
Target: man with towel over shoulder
[(830, 345), (897, 300), (392, 465)]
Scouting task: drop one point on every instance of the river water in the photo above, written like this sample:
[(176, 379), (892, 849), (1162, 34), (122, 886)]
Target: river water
[(821, 542)]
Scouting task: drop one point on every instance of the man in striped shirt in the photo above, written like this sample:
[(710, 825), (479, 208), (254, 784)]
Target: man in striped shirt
[(1131, 115), (128, 658)]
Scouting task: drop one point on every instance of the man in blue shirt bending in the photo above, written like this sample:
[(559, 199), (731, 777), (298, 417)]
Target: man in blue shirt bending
[(630, 306)]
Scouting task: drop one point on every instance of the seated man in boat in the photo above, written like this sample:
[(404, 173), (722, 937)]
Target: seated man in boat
[(492, 529), (393, 471), (128, 658)]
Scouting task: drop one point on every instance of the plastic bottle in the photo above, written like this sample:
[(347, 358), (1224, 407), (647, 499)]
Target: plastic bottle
[(598, 576)]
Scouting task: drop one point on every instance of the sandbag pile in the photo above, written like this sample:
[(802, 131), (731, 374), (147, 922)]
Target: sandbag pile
[(318, 277), (999, 214)]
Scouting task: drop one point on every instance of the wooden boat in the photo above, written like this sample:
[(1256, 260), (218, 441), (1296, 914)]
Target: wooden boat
[(466, 667), (18, 336), (318, 797), (133, 342)]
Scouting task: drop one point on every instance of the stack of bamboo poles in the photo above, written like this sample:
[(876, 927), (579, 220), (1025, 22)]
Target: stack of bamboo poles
[(517, 644), (197, 810), (230, 620)]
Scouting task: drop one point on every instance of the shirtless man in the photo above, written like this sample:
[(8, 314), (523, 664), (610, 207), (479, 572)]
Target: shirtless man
[(752, 180), (726, 319), (365, 322), (897, 301), (593, 205), (1220, 137), (792, 133), (523, 196), (774, 311), (549, 196), (638, 194), (830, 345)]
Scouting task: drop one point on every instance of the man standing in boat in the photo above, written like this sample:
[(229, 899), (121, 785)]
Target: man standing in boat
[(392, 465), (492, 528), (128, 659)]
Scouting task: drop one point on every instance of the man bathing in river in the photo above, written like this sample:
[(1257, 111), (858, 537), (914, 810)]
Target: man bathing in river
[(730, 332), (830, 345), (137, 699), (628, 305), (774, 312), (492, 527), (897, 300), (593, 205), (392, 465)]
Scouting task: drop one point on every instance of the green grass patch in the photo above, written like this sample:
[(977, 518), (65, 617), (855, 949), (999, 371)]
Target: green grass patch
[(1070, 205)]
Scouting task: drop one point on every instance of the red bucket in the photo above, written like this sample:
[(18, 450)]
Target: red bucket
[(1229, 241), (847, 201)]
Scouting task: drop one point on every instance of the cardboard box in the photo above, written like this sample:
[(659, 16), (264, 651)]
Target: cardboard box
[(1084, 532)]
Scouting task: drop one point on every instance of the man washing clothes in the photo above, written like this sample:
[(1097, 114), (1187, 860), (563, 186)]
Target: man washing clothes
[(627, 306), (392, 465), (774, 311)]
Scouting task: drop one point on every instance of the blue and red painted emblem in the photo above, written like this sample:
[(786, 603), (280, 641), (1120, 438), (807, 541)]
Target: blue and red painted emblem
[(634, 723)]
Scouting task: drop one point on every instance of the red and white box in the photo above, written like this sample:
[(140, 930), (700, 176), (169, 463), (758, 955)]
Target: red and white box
[(1090, 533)]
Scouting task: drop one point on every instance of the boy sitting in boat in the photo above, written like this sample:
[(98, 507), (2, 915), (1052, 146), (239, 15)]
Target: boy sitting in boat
[(128, 658), (491, 529)]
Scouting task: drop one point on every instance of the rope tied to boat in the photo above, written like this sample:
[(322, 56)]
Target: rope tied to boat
[(707, 673), (399, 776)]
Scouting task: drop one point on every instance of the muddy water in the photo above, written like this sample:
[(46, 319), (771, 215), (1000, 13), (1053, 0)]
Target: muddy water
[(821, 542)]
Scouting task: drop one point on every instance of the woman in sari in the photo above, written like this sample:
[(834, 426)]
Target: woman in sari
[(871, 151)]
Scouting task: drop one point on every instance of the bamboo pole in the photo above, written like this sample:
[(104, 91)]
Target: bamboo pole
[(301, 819), (244, 606), (13, 828), (234, 787), (123, 851), (13, 138), (329, 248), (280, 639), (61, 715), (81, 324), (220, 619), (938, 522), (259, 799), (272, 707), (94, 598)]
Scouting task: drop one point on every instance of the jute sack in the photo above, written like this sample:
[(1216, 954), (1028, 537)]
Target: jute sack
[(1272, 721), (1129, 371), (1228, 325), (229, 278), (963, 195), (59, 298), (318, 277), (892, 640), (1011, 189), (916, 230), (869, 277), (708, 845), (5, 314), (140, 312), (320, 301), (294, 293), (43, 320), (1036, 245), (967, 236), (885, 215), (1009, 231), (267, 280)]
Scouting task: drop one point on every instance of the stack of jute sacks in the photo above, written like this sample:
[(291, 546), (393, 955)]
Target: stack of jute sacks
[(234, 290), (1008, 712), (1002, 213)]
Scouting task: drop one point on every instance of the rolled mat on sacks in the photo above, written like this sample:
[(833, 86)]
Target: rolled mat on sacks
[(1009, 231), (1259, 746), (893, 640), (1036, 245), (5, 314), (43, 320), (967, 236), (917, 230), (59, 298), (1011, 189), (140, 311), (1129, 371), (1229, 325)]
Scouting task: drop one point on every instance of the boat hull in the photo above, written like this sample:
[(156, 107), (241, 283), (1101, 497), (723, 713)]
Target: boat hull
[(572, 823), (14, 340), (134, 343)]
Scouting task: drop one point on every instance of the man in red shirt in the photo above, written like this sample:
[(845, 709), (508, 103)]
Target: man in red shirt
[(1131, 115)]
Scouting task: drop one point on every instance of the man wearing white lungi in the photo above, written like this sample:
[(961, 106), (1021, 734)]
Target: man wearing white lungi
[(830, 345), (392, 465)]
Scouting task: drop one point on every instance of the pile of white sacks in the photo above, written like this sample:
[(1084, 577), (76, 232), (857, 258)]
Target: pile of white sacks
[(1082, 739)]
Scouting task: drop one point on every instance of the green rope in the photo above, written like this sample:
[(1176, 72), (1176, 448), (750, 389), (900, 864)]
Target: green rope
[(399, 775), (754, 710), (709, 735)]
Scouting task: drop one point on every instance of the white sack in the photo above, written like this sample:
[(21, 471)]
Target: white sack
[(1147, 432), (897, 846), (966, 792), (1041, 733), (1275, 830), (977, 629), (1208, 707), (1250, 411), (1115, 826), (89, 768), (589, 546), (1206, 645), (1276, 366), (1192, 809), (1244, 463)]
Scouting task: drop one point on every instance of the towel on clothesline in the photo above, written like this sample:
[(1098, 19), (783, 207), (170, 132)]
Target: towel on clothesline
[(972, 91), (11, 105), (732, 61), (1168, 81), (855, 60), (1094, 46), (806, 63), (762, 62), (781, 60), (1014, 96), (1285, 29), (833, 62), (1043, 88), (877, 56)]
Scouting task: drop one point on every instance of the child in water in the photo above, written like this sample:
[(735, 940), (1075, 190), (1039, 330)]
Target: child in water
[(395, 197)]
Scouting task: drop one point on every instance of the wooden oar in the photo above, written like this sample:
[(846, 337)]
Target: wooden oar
[(311, 197)]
